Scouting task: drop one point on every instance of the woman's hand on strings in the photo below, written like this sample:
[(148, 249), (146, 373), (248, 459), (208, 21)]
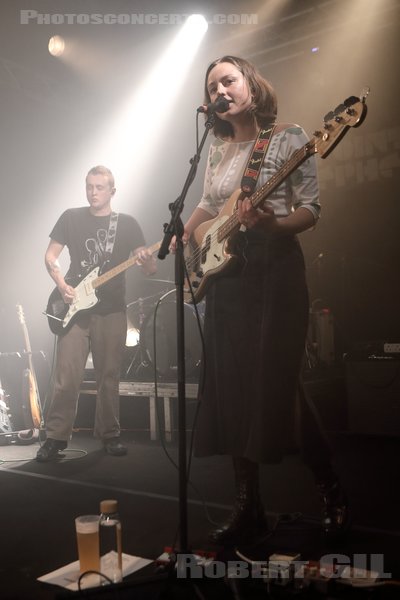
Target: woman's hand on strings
[(260, 218)]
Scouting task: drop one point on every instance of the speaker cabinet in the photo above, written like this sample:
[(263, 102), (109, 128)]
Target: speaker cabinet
[(373, 392)]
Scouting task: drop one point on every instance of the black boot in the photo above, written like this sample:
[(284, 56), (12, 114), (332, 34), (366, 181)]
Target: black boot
[(247, 523), (336, 518)]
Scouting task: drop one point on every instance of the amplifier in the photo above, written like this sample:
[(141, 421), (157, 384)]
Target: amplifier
[(375, 349), (373, 393)]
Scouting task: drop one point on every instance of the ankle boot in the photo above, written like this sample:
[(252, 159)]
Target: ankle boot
[(336, 519), (247, 523)]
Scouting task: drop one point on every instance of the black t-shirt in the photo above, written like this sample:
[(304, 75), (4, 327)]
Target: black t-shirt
[(85, 236)]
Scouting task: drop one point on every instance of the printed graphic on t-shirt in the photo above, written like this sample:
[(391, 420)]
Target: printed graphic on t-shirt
[(96, 251)]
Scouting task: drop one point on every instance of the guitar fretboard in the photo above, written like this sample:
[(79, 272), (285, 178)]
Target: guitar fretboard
[(122, 267), (298, 157)]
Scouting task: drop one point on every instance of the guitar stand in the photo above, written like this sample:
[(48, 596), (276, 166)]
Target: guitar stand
[(132, 362), (30, 435), (136, 362)]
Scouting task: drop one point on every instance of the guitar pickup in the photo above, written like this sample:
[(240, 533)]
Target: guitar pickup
[(205, 249)]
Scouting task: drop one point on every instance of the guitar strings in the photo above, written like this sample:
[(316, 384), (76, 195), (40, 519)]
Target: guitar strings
[(291, 164), (195, 256), (227, 228), (223, 231)]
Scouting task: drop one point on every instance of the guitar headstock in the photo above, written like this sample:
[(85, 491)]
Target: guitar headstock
[(20, 313), (336, 124)]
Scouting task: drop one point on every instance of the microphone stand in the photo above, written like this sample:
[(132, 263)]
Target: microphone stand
[(175, 227)]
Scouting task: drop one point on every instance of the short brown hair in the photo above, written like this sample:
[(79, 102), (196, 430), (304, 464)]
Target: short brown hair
[(101, 170), (264, 104)]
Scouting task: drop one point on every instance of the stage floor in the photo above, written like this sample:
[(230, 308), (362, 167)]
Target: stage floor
[(39, 502)]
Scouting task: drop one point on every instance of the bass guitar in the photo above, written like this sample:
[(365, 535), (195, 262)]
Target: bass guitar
[(34, 399), (208, 254), (61, 316)]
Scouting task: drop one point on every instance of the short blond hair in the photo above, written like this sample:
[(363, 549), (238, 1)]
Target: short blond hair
[(101, 170)]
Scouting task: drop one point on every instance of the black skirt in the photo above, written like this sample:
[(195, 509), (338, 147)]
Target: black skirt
[(255, 329)]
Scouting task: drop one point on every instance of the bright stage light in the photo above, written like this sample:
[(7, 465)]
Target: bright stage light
[(135, 131), (56, 45), (130, 139), (197, 23)]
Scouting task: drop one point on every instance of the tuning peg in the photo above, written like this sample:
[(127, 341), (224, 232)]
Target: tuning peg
[(350, 101), (330, 115), (339, 109)]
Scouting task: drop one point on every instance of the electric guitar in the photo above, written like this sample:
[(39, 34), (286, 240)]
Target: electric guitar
[(208, 254), (34, 399), (61, 315)]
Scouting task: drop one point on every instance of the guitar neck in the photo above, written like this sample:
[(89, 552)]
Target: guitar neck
[(30, 363), (102, 279), (28, 348), (232, 224)]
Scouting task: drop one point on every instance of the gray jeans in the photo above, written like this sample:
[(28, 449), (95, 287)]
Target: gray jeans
[(104, 336)]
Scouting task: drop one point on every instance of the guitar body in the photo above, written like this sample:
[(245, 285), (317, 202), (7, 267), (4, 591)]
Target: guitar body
[(207, 255), (60, 315), (33, 416)]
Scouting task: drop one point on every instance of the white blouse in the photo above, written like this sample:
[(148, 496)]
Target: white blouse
[(227, 161)]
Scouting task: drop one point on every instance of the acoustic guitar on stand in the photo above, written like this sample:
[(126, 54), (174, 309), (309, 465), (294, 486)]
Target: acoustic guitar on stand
[(34, 399), (208, 253)]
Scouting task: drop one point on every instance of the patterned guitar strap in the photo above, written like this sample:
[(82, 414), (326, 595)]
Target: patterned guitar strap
[(256, 160), (111, 234)]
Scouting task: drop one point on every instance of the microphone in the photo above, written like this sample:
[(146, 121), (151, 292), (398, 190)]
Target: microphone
[(221, 105)]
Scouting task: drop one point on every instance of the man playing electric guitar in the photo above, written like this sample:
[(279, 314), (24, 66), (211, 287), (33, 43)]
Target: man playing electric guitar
[(95, 237)]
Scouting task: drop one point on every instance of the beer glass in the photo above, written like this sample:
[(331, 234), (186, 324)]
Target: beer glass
[(87, 535)]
